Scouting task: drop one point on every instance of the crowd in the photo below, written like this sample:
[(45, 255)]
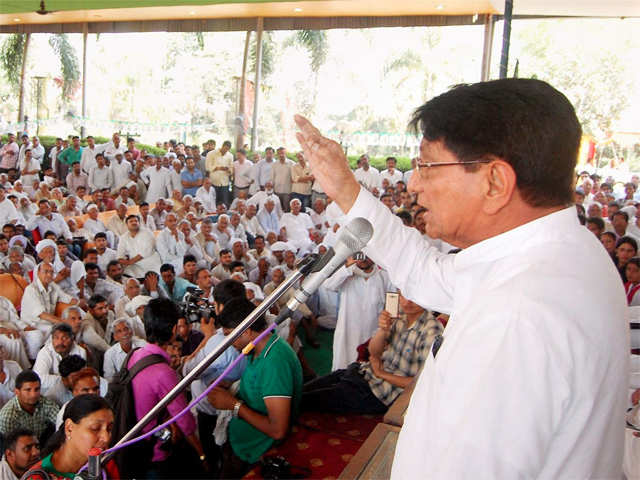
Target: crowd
[(109, 239)]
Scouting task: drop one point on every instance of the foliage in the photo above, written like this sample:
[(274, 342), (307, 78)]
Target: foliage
[(11, 58), (596, 79), (315, 42), (68, 63), (48, 141), (268, 55)]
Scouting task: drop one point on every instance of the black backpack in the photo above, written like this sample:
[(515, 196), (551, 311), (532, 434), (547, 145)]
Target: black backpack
[(133, 461)]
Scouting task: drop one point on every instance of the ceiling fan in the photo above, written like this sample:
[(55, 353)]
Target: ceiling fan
[(43, 9)]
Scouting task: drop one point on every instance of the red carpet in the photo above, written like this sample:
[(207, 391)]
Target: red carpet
[(324, 443)]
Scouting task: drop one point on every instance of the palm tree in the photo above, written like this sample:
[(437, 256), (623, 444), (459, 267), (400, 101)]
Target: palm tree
[(14, 55), (317, 45)]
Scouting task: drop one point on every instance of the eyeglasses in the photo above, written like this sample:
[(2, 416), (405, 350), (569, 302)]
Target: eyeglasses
[(426, 165)]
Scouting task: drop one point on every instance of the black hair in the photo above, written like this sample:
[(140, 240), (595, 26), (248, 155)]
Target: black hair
[(242, 151), (78, 408), (43, 200), (112, 263), (610, 234), (92, 266), (394, 159), (630, 240), (635, 261), (226, 143), (144, 204), (597, 221), (189, 258), (167, 267), (64, 328), (26, 376), (160, 316), (621, 214), (224, 251), (227, 290), (268, 148), (89, 252), (71, 364), (406, 217), (9, 225), (11, 438), (235, 264), (525, 122), (129, 217), (236, 310), (258, 236), (95, 300), (100, 235)]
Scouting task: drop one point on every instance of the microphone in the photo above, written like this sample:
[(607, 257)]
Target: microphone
[(353, 237)]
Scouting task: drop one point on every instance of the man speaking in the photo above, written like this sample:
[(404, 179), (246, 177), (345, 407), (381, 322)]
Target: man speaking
[(530, 377)]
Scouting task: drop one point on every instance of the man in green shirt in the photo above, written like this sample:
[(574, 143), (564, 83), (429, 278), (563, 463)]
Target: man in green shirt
[(66, 158), (28, 409), (269, 396)]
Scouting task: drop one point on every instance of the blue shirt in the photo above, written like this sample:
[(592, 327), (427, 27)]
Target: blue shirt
[(187, 176), (179, 288), (214, 370)]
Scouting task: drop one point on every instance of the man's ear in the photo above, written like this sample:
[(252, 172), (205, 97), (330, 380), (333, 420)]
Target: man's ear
[(500, 185)]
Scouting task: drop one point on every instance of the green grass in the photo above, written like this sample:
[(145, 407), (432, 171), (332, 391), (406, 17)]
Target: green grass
[(319, 358)]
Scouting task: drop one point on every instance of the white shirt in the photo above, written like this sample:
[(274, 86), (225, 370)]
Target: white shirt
[(114, 357), (171, 251), (109, 150), (5, 471), (88, 159), (120, 173), (144, 244), (8, 212), (47, 361), (369, 179), (158, 181), (242, 173), (297, 227), (407, 176), (11, 369), (528, 381), (175, 182), (208, 199), (100, 178), (94, 226), (36, 301), (394, 177), (252, 225), (56, 224), (106, 257)]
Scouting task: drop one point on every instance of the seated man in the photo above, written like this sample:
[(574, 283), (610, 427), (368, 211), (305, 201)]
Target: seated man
[(9, 371), (61, 344), (12, 333), (101, 319), (60, 392), (94, 285), (21, 451), (39, 306), (269, 394), (175, 287), (126, 341), (28, 409), (105, 254), (397, 352)]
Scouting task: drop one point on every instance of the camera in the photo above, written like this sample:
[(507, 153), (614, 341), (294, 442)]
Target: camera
[(194, 306)]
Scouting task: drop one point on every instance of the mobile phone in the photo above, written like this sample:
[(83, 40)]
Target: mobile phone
[(392, 304)]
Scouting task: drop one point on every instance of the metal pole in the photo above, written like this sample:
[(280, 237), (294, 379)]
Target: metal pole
[(256, 86), (85, 34), (506, 38), (487, 48), (209, 359)]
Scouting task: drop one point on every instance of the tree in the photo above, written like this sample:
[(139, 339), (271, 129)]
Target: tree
[(317, 45), (14, 56)]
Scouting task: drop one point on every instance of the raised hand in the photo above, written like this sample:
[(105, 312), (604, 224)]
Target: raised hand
[(328, 163)]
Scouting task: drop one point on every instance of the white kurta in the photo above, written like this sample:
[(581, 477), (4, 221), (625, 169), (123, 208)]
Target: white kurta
[(171, 251), (158, 181), (369, 179), (361, 301), (144, 244), (207, 198), (120, 173), (114, 357), (8, 212), (11, 370), (47, 361), (531, 378), (297, 227)]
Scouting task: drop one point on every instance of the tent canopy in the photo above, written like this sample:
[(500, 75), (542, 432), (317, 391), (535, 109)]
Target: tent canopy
[(212, 15)]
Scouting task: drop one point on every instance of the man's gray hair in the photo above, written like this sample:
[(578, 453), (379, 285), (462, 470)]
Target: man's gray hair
[(120, 320), (67, 311)]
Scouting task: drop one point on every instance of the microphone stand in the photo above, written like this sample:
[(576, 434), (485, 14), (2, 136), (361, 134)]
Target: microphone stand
[(306, 265)]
